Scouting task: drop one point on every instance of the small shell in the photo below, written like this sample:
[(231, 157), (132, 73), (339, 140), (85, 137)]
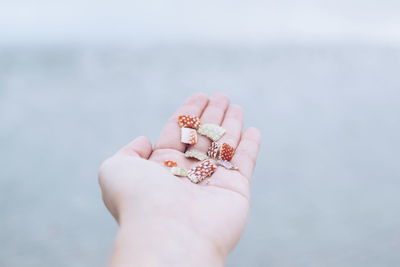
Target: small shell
[(196, 155), (227, 164), (213, 150), (189, 121), (188, 136), (212, 131), (226, 152), (170, 163), (177, 171), (201, 171)]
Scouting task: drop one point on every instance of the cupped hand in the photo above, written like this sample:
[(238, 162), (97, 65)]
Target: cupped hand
[(157, 210)]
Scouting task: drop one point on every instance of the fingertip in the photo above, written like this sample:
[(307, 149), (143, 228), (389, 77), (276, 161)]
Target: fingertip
[(199, 94), (197, 97), (221, 96), (237, 107), (144, 140), (141, 146), (142, 137)]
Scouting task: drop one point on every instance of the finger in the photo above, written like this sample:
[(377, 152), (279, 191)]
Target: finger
[(139, 147), (246, 153), (233, 124), (170, 135), (213, 113)]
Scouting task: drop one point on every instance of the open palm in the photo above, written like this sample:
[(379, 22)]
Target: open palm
[(137, 186)]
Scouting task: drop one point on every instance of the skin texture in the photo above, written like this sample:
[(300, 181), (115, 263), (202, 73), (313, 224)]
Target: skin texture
[(169, 221)]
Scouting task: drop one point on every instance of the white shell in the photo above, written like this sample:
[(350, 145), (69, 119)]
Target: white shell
[(188, 136), (179, 171), (196, 155), (212, 131)]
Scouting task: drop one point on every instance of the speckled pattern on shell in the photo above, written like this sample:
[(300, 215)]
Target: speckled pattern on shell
[(201, 171), (189, 121), (213, 150), (226, 152)]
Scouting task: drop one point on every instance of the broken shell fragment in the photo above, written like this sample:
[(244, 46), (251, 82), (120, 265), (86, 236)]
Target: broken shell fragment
[(221, 151), (226, 152), (212, 131), (201, 171), (196, 155), (213, 150), (177, 171), (170, 163), (188, 136), (189, 121), (226, 164)]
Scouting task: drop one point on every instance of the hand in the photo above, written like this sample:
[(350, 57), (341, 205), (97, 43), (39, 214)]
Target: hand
[(169, 221)]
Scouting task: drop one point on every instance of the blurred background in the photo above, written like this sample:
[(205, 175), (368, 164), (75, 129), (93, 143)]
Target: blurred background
[(78, 79)]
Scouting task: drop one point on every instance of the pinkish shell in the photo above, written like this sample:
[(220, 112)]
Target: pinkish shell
[(188, 136), (201, 171)]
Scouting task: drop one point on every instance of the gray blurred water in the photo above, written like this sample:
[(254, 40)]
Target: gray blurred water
[(326, 189)]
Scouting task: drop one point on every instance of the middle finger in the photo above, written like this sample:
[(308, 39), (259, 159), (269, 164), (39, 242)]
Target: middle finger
[(214, 113)]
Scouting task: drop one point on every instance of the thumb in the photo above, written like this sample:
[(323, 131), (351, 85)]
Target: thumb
[(139, 147)]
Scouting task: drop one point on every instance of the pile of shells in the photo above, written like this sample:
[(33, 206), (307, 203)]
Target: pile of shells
[(218, 154)]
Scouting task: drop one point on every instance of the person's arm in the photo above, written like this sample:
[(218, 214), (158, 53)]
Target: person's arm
[(165, 220), (163, 243)]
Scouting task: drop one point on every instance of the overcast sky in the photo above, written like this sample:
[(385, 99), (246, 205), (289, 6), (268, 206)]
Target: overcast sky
[(248, 21)]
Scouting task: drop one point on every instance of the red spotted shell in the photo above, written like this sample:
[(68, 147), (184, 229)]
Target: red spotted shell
[(189, 121)]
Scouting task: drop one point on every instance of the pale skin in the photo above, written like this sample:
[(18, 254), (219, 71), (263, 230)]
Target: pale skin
[(169, 221)]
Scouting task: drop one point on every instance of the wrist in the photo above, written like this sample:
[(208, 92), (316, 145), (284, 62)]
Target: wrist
[(164, 242)]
